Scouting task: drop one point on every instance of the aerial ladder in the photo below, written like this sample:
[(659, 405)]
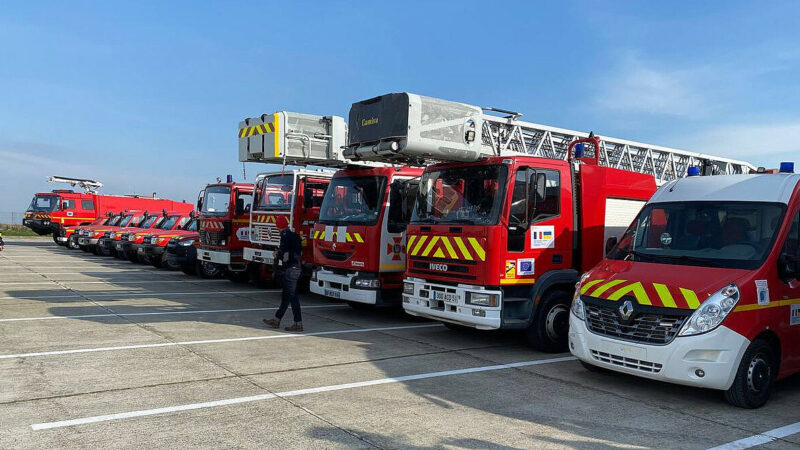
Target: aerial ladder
[(88, 186), (433, 129)]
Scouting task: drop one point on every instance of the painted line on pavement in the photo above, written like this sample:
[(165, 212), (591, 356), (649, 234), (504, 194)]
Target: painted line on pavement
[(214, 341), (295, 393), (160, 313), (139, 294), (763, 438), (113, 282)]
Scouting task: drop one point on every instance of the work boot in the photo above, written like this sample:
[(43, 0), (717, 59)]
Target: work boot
[(273, 323), (298, 326)]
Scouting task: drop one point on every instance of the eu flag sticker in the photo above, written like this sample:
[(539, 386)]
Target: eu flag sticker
[(525, 266)]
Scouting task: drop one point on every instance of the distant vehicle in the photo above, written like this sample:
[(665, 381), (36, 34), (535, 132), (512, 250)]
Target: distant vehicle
[(152, 246)]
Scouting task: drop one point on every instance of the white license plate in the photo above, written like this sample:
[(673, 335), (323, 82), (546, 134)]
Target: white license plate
[(628, 351), (447, 297), (333, 293)]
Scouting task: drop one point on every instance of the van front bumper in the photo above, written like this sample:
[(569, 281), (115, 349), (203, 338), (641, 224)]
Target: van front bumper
[(715, 355), (340, 287), (449, 304)]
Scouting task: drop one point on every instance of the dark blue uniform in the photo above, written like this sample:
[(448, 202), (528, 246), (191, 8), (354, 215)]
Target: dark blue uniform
[(291, 248)]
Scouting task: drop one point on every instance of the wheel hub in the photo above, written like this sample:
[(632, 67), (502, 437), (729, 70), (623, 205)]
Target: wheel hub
[(557, 322), (758, 374)]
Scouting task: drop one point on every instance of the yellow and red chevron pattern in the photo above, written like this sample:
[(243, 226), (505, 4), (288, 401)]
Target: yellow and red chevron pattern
[(348, 237), (37, 215), (255, 130), (211, 225), (651, 294), (458, 248), (264, 218)]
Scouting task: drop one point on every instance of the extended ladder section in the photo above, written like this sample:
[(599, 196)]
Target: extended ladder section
[(413, 129), (89, 186)]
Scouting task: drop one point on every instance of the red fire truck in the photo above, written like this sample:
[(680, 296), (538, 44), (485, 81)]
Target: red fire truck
[(152, 247), (224, 218), (359, 241), (501, 231), (51, 212), (702, 289)]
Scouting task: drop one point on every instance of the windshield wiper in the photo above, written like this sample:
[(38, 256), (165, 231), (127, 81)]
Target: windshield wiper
[(708, 261)]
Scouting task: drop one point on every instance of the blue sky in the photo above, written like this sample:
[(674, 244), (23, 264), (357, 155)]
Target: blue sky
[(146, 96)]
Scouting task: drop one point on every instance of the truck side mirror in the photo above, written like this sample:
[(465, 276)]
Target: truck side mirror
[(788, 266), (308, 197), (200, 200), (610, 244), (239, 206)]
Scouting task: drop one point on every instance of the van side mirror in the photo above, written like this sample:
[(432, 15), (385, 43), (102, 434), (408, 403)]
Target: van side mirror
[(239, 206), (788, 266), (610, 244)]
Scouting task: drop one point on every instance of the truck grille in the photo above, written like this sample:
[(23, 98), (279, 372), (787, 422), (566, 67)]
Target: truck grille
[(624, 361), (336, 256), (125, 237), (653, 325), (210, 237), (147, 240), (266, 233)]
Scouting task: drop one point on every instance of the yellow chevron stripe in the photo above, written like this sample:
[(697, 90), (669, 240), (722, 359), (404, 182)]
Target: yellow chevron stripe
[(449, 247), (463, 248), (664, 295), (586, 286), (634, 288), (322, 234), (478, 249), (348, 238), (606, 286), (316, 233), (691, 298), (438, 253), (422, 240), (358, 238), (431, 243), (411, 240)]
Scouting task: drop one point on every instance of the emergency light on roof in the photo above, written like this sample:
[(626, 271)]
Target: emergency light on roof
[(229, 179), (580, 150), (787, 167), (693, 171)]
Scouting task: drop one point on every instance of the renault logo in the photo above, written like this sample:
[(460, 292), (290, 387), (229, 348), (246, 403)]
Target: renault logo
[(626, 310)]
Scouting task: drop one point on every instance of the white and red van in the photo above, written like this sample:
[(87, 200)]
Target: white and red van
[(703, 289)]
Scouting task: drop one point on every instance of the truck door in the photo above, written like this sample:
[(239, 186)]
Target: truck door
[(787, 288), (402, 195), (306, 211)]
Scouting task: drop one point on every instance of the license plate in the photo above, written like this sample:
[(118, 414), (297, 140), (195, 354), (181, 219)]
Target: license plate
[(140, 250), (333, 293), (628, 351), (447, 297)]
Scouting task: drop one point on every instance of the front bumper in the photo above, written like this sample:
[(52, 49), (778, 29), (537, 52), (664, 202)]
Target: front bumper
[(717, 353), (340, 287), (183, 255), (148, 249), (88, 241), (217, 257), (258, 255), (62, 239), (40, 226), (449, 304)]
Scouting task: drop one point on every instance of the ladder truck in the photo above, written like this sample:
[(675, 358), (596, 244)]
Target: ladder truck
[(353, 224), (511, 212)]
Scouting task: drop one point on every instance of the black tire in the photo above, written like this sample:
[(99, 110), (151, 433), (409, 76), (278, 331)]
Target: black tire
[(55, 239), (189, 270), (593, 368), (755, 376), (550, 329), (72, 243), (208, 270), (158, 262), (132, 257)]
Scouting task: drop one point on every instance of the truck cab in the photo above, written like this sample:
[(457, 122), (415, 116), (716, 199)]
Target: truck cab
[(359, 240), (224, 221), (499, 243), (703, 289), (289, 199), (49, 212)]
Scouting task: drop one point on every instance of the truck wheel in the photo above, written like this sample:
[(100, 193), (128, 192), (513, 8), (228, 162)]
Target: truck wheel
[(132, 257), (208, 269), (754, 377), (189, 269), (260, 276), (55, 239), (72, 243), (549, 332)]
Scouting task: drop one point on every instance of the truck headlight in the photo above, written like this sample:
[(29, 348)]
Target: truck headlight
[(186, 242), (712, 312), (408, 288), (479, 299), (367, 283), (314, 275)]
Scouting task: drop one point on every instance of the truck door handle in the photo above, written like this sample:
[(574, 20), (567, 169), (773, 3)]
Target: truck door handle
[(558, 258)]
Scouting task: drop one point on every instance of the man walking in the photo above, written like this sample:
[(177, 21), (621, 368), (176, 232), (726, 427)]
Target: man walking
[(2, 244), (289, 253)]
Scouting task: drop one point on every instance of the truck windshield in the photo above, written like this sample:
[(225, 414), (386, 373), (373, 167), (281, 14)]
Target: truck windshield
[(469, 195), (150, 221), (44, 203), (217, 200), (125, 221), (276, 192), (736, 235), (112, 222), (353, 201), (169, 223)]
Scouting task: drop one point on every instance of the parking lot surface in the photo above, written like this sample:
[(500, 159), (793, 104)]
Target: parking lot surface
[(97, 352)]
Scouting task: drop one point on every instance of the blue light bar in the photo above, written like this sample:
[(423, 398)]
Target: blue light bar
[(693, 171), (229, 179), (787, 167), (580, 149)]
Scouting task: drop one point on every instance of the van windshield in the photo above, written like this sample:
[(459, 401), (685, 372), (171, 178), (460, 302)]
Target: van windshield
[(735, 235), (44, 203), (150, 221), (353, 201), (169, 223), (275, 192), (466, 194)]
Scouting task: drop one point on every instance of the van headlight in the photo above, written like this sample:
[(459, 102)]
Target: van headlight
[(577, 304), (712, 312), (186, 242), (480, 299)]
